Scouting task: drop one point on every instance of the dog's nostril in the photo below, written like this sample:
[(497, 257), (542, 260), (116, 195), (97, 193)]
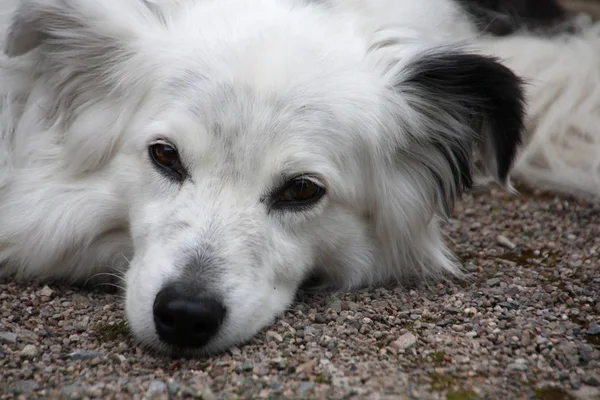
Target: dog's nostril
[(185, 320)]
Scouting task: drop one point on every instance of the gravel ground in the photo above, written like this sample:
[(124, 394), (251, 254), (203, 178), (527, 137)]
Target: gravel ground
[(524, 326)]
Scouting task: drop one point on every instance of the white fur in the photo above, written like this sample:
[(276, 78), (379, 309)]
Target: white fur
[(78, 195), (563, 134)]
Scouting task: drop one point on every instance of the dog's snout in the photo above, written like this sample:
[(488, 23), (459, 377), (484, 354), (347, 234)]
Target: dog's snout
[(186, 320)]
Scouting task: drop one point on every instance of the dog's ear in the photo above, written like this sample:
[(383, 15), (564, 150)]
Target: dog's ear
[(459, 101), (73, 24), (444, 103), (88, 53)]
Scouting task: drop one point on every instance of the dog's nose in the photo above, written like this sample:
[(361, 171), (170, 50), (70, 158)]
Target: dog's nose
[(185, 320)]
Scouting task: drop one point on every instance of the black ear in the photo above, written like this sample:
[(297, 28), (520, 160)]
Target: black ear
[(462, 101)]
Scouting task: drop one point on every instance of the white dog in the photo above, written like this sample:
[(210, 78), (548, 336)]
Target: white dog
[(222, 152)]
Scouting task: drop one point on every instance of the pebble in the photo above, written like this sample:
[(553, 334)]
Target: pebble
[(307, 366), (594, 330), (405, 341), (8, 337), (592, 380), (84, 355), (493, 282), (46, 291), (26, 386), (173, 387), (520, 364), (272, 334), (305, 386), (72, 390), (248, 365), (505, 242), (29, 351), (157, 387), (335, 305), (509, 305)]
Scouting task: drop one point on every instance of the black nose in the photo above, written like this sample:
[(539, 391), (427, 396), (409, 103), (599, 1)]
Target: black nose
[(185, 320)]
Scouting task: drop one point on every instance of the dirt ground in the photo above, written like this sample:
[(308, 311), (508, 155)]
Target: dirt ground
[(524, 326)]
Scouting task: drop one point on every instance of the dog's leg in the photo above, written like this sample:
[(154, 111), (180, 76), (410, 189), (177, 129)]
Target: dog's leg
[(57, 229)]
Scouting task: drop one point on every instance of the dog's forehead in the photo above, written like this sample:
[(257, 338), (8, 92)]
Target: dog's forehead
[(244, 130), (248, 128)]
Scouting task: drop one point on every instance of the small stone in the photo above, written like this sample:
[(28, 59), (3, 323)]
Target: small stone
[(470, 311), (493, 282), (46, 291), (594, 330), (272, 334), (520, 364), (526, 338), (8, 337), (248, 365), (309, 331), (29, 351), (320, 319), (305, 386), (27, 386), (84, 355), (309, 365), (585, 353), (509, 305), (445, 322), (405, 341), (592, 380), (173, 387), (119, 358), (73, 390), (156, 387), (335, 305), (505, 242), (470, 267)]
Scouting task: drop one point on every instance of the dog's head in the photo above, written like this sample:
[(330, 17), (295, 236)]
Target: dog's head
[(262, 144)]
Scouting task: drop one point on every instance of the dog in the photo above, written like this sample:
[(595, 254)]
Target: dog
[(222, 153)]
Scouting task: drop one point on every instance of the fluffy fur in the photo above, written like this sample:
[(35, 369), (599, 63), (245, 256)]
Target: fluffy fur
[(382, 102)]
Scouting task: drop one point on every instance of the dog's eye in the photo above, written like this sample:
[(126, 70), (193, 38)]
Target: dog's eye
[(167, 158), (299, 191)]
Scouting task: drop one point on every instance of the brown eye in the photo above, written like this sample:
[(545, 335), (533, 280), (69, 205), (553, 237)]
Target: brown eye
[(299, 192), (167, 159)]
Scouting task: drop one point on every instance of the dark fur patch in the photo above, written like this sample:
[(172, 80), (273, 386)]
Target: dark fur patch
[(505, 17), (466, 100)]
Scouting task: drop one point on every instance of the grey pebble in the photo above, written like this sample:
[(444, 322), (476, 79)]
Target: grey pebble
[(72, 390), (445, 322), (173, 387), (8, 337), (305, 386), (84, 355), (509, 305), (29, 351), (248, 365), (26, 386), (320, 319), (157, 387), (493, 282), (592, 380), (335, 305), (594, 330), (405, 341)]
